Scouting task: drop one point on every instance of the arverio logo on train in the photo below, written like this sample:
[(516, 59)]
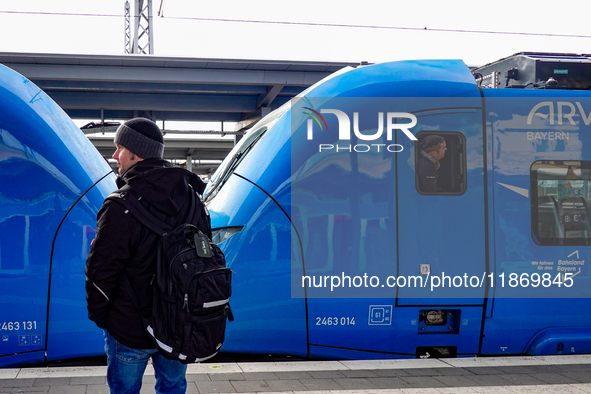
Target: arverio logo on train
[(559, 113), (562, 115), (345, 130)]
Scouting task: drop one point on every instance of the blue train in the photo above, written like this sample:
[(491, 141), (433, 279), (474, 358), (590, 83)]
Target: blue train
[(338, 251)]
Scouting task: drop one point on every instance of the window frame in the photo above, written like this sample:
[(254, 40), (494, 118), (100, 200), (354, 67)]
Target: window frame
[(535, 204)]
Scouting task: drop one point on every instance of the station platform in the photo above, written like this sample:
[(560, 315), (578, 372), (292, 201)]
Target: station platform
[(556, 374)]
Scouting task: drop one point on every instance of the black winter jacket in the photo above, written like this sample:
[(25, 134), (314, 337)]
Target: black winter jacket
[(124, 246), (428, 174)]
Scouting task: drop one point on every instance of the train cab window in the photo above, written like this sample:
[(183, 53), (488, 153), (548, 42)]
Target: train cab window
[(561, 193), (440, 163), (232, 161), (241, 150)]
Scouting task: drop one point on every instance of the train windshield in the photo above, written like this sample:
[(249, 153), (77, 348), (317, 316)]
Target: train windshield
[(561, 194), (240, 151), (230, 164)]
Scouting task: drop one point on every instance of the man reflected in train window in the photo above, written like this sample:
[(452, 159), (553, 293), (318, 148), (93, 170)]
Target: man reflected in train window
[(432, 149)]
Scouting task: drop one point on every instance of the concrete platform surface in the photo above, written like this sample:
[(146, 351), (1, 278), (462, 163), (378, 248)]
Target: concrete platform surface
[(546, 374)]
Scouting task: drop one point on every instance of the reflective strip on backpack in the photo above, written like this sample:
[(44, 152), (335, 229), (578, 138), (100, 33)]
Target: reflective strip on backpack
[(163, 346), (198, 360), (215, 303)]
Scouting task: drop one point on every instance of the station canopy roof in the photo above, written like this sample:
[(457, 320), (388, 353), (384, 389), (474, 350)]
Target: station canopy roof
[(103, 87)]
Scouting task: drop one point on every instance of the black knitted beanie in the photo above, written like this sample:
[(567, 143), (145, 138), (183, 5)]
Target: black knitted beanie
[(142, 137)]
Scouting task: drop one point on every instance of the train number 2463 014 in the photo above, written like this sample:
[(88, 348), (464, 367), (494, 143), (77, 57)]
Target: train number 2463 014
[(335, 321)]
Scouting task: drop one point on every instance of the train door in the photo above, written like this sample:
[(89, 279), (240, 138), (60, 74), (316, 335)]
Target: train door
[(383, 231), (344, 209), (442, 270), (359, 227)]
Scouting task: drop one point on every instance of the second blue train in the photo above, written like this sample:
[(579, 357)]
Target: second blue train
[(339, 253)]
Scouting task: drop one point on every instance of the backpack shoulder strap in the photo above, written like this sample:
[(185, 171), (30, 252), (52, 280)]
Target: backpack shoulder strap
[(193, 201), (131, 201)]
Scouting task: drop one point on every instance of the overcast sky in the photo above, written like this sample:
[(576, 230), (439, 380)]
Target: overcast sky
[(379, 30)]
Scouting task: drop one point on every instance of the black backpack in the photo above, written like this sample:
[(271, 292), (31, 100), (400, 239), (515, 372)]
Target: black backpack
[(192, 286)]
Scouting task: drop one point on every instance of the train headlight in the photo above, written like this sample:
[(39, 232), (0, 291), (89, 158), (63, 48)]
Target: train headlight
[(437, 317), (221, 234)]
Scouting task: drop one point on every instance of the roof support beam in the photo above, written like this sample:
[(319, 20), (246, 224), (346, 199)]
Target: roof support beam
[(154, 102), (266, 99), (195, 116), (250, 119)]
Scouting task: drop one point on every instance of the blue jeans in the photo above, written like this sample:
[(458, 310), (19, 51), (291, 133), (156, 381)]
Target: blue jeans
[(126, 366)]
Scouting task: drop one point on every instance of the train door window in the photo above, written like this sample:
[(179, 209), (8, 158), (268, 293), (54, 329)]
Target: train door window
[(561, 193), (440, 163)]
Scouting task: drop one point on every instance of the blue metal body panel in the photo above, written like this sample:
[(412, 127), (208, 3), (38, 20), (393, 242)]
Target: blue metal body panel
[(261, 296), (52, 182), (564, 340)]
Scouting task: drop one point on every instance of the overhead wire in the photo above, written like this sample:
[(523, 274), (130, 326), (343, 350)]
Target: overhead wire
[(312, 24)]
